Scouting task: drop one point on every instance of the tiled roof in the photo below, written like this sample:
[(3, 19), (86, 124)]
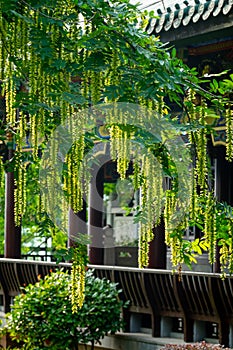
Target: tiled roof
[(187, 12)]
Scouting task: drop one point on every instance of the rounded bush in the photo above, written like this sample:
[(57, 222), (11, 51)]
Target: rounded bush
[(42, 317)]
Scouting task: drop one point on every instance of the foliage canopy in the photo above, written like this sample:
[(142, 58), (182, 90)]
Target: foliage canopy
[(58, 58)]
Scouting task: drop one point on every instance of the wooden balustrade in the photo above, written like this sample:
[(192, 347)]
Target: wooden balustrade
[(196, 298), (16, 273)]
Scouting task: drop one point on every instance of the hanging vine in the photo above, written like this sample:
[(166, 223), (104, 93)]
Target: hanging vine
[(1, 173), (210, 226), (229, 133), (78, 279), (20, 171)]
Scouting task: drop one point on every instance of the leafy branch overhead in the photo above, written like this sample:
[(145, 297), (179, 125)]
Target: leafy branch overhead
[(57, 59)]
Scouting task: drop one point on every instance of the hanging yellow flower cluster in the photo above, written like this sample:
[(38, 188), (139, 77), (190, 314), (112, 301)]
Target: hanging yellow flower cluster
[(197, 112), (20, 189), (36, 46), (229, 133), (77, 280), (226, 251), (173, 235), (95, 87), (73, 182), (20, 170), (136, 175), (150, 206), (175, 246), (168, 212), (210, 226), (147, 178), (201, 148), (77, 174), (1, 173), (203, 201), (120, 146), (193, 197), (230, 246), (20, 53)]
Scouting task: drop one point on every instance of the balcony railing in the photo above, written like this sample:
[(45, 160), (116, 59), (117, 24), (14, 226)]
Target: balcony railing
[(198, 299)]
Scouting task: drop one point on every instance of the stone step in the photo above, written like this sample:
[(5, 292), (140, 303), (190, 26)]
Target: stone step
[(134, 341)]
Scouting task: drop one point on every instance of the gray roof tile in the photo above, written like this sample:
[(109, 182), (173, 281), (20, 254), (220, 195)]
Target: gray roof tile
[(172, 15)]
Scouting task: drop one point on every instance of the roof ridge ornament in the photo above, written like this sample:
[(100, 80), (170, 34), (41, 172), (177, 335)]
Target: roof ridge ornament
[(161, 22), (218, 9), (227, 7), (209, 6), (179, 13), (188, 11), (199, 9), (169, 19), (151, 26)]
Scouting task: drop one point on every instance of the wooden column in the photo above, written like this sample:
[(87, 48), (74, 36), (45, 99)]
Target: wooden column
[(224, 187), (77, 224), (12, 248), (157, 250), (95, 222)]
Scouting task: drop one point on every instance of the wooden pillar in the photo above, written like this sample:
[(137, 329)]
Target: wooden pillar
[(224, 180), (12, 248), (224, 187), (77, 224), (95, 222), (157, 250)]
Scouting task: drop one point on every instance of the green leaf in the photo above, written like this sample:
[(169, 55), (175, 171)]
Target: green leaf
[(73, 98), (173, 53)]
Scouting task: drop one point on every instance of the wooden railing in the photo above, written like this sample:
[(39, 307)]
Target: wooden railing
[(16, 273), (197, 298)]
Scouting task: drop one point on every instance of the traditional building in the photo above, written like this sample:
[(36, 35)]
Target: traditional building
[(202, 33)]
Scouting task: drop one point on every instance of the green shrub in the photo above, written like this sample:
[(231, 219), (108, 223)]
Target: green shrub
[(42, 317)]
